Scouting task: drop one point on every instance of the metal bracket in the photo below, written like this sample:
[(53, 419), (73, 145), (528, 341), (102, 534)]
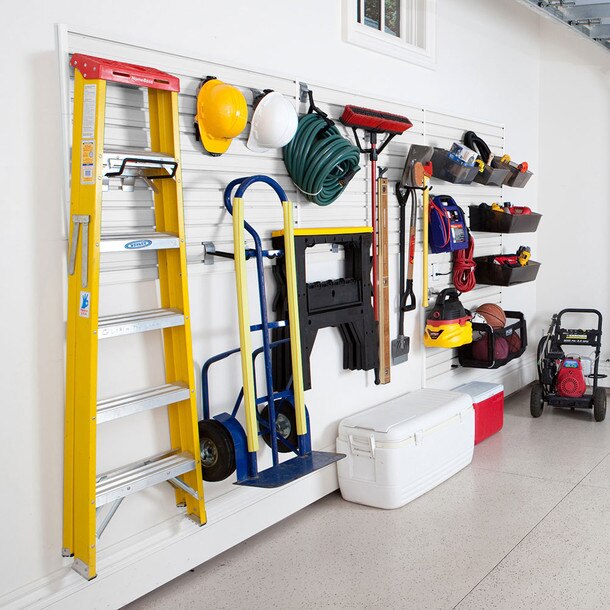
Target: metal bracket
[(209, 249), (106, 520), (177, 482), (303, 92), (77, 221), (334, 248)]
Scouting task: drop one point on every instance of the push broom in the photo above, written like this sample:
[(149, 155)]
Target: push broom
[(374, 122)]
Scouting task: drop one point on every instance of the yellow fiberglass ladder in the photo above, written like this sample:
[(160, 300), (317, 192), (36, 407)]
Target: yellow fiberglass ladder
[(87, 493)]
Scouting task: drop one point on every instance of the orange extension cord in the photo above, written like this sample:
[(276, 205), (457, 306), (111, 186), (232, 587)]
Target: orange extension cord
[(463, 267)]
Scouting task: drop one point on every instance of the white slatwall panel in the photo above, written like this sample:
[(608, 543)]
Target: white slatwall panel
[(442, 130), (205, 177)]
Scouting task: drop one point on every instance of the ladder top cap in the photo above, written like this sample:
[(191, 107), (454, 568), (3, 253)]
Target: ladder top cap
[(129, 74)]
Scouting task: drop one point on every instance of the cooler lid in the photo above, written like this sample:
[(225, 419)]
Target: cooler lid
[(479, 390), (401, 417)]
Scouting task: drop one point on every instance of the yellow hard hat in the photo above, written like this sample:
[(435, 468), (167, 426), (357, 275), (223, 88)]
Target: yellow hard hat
[(222, 114)]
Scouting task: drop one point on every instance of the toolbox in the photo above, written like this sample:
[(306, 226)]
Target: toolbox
[(488, 403), (402, 448)]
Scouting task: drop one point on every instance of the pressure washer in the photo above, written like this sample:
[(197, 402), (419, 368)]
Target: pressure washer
[(561, 379)]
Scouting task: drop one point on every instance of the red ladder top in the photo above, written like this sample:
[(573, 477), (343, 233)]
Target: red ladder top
[(130, 74)]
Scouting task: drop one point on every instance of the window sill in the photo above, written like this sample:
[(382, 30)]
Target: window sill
[(386, 44)]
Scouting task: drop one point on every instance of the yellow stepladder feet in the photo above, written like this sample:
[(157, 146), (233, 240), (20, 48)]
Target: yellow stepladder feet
[(87, 492)]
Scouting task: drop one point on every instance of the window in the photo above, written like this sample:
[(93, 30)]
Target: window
[(399, 28)]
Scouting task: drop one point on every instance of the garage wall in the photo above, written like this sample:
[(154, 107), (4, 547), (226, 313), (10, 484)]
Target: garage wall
[(574, 177), (469, 81)]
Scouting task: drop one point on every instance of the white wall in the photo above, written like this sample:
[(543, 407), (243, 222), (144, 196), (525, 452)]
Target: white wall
[(574, 177), (488, 67)]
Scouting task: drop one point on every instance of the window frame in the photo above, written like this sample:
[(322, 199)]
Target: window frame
[(380, 41)]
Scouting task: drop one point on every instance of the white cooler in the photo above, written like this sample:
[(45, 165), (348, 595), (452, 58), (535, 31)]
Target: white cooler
[(401, 449)]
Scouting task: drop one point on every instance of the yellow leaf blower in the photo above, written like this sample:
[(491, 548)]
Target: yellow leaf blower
[(448, 324)]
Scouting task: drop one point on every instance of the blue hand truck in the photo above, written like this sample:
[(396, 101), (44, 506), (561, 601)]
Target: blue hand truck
[(283, 421)]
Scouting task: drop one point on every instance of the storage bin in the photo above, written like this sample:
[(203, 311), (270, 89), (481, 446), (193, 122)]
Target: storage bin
[(515, 177), (514, 333), (445, 168), (492, 176), (488, 272), (488, 403), (484, 219), (402, 448)]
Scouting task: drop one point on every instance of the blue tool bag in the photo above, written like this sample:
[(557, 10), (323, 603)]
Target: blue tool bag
[(447, 225)]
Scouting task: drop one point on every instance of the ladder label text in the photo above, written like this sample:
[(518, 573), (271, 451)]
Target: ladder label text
[(87, 159), (85, 304)]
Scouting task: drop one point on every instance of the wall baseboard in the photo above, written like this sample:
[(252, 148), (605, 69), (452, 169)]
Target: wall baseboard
[(145, 562)]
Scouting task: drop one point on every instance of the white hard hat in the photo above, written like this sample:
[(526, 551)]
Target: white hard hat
[(274, 123)]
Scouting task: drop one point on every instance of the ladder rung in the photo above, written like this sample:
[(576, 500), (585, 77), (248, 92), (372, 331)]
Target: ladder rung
[(130, 479), (136, 402), (138, 322), (119, 242)]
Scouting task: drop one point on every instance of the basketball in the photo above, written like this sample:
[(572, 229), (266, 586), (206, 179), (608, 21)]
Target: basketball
[(480, 350), (514, 343), (494, 315)]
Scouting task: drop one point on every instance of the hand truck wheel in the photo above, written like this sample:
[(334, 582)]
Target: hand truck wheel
[(285, 425), (217, 451)]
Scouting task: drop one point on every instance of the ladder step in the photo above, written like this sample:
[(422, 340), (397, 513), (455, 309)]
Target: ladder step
[(127, 480), (119, 242), (138, 322), (136, 402)]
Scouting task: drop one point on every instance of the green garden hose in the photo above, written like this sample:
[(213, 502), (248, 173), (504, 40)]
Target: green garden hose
[(320, 161)]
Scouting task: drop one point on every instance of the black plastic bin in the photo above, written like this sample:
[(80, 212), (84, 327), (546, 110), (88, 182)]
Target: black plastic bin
[(515, 178), (514, 333), (486, 219), (492, 176), (445, 168), (488, 272)]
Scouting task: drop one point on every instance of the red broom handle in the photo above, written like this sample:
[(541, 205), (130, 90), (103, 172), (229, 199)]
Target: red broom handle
[(374, 223)]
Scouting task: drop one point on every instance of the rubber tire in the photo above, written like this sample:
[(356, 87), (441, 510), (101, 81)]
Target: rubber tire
[(536, 400), (219, 442), (599, 404), (284, 410)]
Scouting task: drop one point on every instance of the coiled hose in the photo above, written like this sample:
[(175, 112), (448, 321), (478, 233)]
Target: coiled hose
[(320, 161)]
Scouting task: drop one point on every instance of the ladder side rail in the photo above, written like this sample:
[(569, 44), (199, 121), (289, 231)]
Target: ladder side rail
[(173, 282), (82, 327)]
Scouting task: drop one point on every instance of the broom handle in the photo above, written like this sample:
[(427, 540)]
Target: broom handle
[(374, 220), (426, 202)]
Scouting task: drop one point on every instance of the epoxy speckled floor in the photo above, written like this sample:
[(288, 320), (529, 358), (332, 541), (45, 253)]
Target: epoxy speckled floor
[(527, 525)]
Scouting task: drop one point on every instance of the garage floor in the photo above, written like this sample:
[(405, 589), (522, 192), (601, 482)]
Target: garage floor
[(526, 526)]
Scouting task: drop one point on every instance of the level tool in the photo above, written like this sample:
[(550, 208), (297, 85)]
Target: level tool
[(383, 279)]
